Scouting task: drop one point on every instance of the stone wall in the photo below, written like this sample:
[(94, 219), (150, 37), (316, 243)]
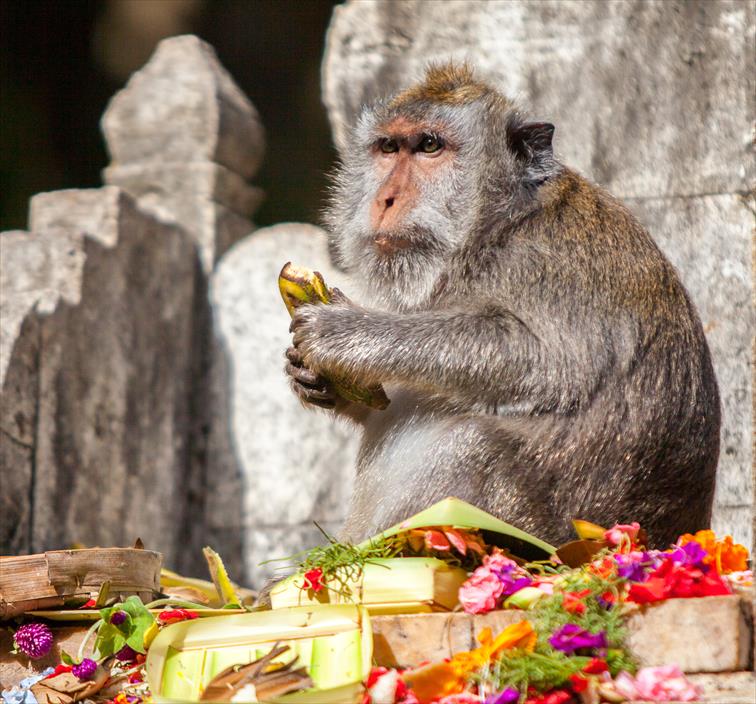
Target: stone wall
[(653, 99), (141, 352)]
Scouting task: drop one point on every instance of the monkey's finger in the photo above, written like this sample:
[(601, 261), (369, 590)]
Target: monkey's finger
[(305, 376), (310, 395), (337, 296), (294, 356)]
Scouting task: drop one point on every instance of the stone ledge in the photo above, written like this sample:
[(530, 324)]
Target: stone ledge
[(710, 634)]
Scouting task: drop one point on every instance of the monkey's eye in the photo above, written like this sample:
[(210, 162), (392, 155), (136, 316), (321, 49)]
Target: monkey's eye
[(430, 144), (389, 146)]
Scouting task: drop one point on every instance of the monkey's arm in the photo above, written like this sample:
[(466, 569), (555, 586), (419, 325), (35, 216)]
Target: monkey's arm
[(487, 353)]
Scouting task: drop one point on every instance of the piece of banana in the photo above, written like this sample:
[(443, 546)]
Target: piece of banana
[(299, 285)]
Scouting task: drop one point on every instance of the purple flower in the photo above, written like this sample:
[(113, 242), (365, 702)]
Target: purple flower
[(570, 637), (511, 578), (634, 566), (85, 669), (507, 696), (126, 654), (118, 618), (689, 554), (34, 640)]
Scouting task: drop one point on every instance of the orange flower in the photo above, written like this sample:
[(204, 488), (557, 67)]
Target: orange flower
[(440, 679), (725, 555)]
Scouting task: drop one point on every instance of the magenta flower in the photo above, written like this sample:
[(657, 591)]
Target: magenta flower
[(510, 574), (634, 566), (118, 618), (34, 640), (570, 637), (507, 696), (85, 669), (689, 554)]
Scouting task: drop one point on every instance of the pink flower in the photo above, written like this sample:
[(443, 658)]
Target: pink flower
[(481, 591), (658, 684), (615, 534), (498, 562)]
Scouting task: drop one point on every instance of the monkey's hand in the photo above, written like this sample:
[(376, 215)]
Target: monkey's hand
[(310, 387), (319, 335)]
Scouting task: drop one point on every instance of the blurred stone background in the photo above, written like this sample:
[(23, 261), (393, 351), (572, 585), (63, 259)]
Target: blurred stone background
[(141, 331)]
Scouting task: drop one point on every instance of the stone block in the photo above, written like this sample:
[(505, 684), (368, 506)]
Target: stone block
[(287, 465), (708, 634), (181, 107), (729, 688), (184, 139), (103, 297), (657, 634), (207, 200), (407, 640), (649, 98)]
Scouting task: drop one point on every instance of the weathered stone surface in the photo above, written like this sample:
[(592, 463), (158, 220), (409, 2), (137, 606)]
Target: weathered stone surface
[(407, 640), (653, 99), (289, 465), (720, 628), (649, 98), (708, 634), (184, 139), (719, 280), (36, 271), (98, 369), (183, 106), (730, 688)]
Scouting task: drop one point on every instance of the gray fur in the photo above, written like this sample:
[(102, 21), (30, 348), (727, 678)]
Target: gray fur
[(542, 358)]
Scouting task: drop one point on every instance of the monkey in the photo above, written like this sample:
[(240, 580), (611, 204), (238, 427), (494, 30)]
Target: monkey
[(542, 358)]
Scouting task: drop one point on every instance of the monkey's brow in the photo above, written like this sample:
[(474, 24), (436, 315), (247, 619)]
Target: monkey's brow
[(403, 138)]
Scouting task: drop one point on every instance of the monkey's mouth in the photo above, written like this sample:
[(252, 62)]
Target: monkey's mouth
[(391, 244)]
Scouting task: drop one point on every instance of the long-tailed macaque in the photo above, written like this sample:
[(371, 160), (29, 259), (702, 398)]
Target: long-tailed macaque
[(542, 358)]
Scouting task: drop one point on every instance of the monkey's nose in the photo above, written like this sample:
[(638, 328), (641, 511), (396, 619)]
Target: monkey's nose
[(389, 202)]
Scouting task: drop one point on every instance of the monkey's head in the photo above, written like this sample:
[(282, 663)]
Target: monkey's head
[(425, 170)]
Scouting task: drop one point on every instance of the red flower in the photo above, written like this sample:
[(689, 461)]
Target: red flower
[(90, 604), (579, 683), (595, 667), (59, 669), (572, 602), (176, 615), (674, 580), (556, 696), (313, 579)]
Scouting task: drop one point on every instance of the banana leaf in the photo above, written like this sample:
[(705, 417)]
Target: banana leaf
[(459, 514), (333, 642)]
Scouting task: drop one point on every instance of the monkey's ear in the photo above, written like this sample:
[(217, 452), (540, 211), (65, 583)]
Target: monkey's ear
[(531, 140)]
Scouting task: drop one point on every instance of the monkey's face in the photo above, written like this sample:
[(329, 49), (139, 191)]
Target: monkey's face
[(400, 206), (408, 158)]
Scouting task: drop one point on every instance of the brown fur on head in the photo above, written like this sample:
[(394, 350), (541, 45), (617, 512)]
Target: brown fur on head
[(449, 83)]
